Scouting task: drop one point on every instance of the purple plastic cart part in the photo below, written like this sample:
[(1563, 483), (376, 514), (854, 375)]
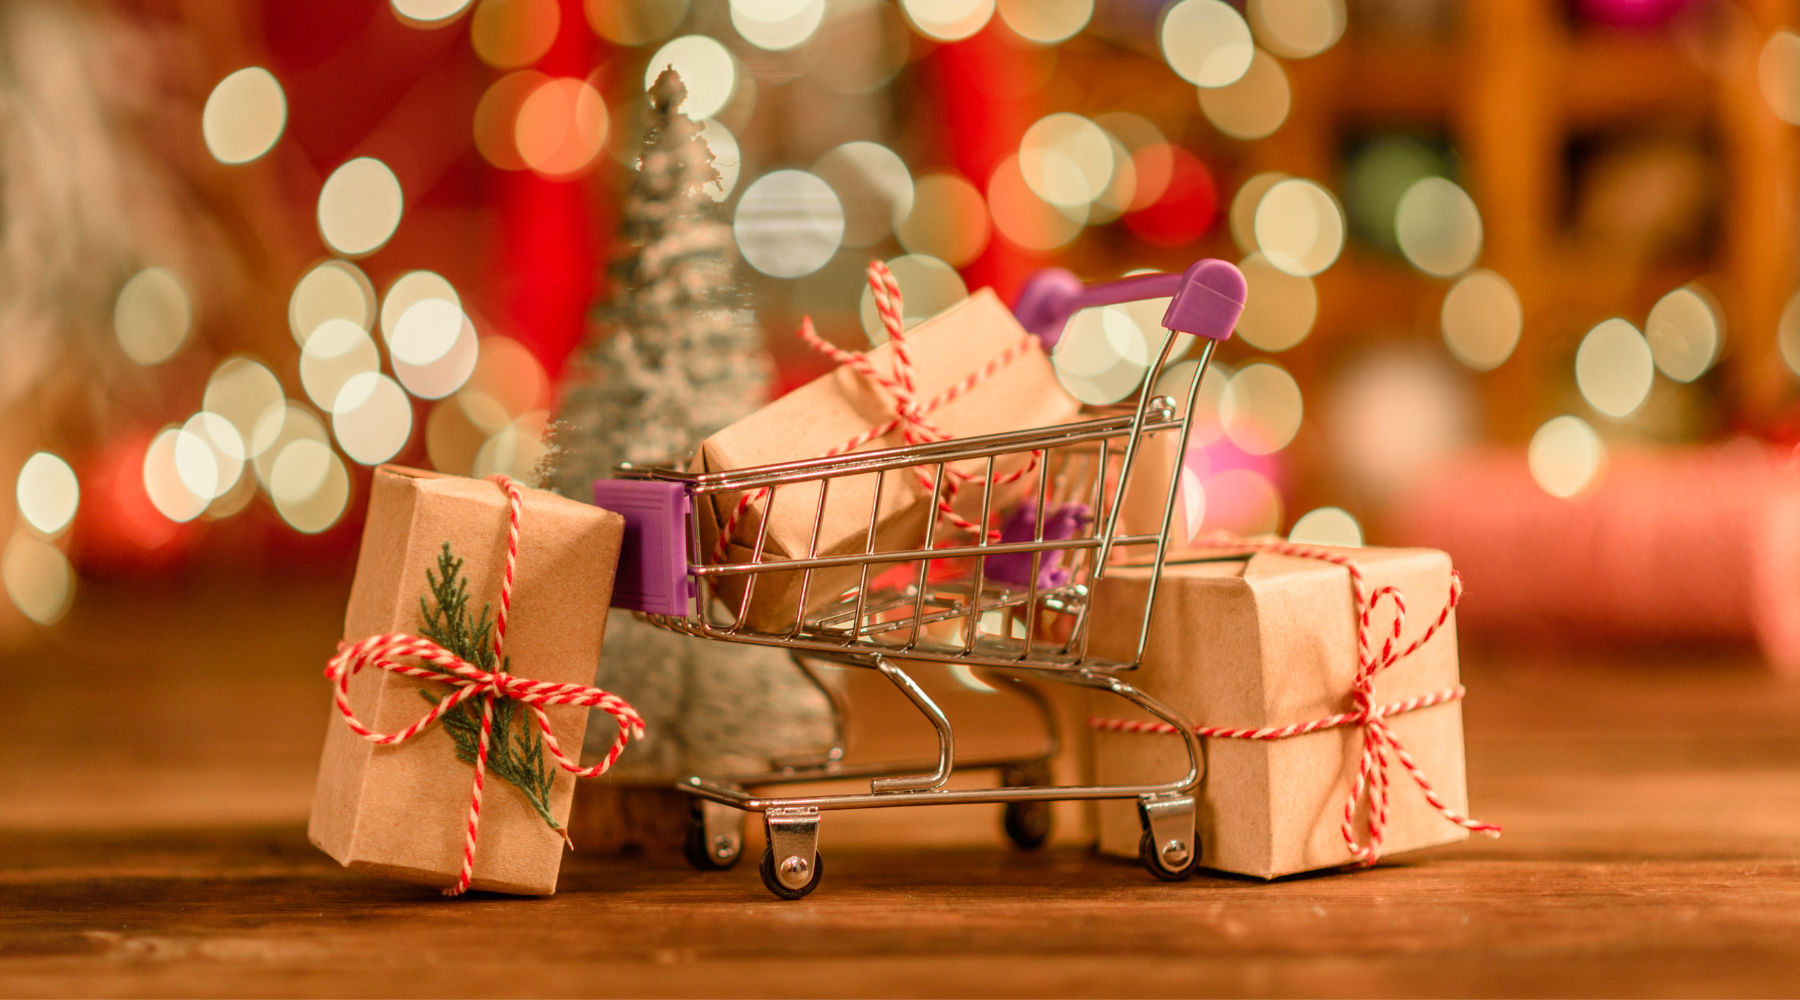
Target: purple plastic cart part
[(653, 570), (1064, 522), (1209, 301), (1052, 295), (1208, 296)]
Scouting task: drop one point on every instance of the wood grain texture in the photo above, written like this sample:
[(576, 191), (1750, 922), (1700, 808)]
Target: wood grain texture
[(154, 845)]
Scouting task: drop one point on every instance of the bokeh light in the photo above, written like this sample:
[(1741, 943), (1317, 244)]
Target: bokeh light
[(166, 481), (409, 290), (948, 20), (242, 391), (37, 579), (1025, 219), (874, 187), (515, 449), (1299, 227), (1066, 160), (1327, 526), (1778, 73), (360, 207), (275, 431), (1297, 29), (1614, 368), (1244, 204), (1438, 227), (309, 485), (152, 315), (1379, 174), (508, 383), (425, 332), (928, 286), (1566, 456), (1280, 308), (429, 13), (1188, 202), (337, 352), (1252, 106), (707, 70), (372, 418), (209, 455), (1046, 21), (335, 289), (496, 120), (1481, 320), (1395, 414), (1685, 330), (507, 34), (244, 116), (727, 159), (949, 220), (1102, 355), (447, 373), (47, 493), (1242, 502), (1206, 42), (777, 25), (561, 127), (1205, 428), (1261, 409), (788, 223), (634, 22)]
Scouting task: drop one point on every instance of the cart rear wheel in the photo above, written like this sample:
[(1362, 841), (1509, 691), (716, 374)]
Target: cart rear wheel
[(1027, 824), (1147, 853), (815, 872), (702, 849)]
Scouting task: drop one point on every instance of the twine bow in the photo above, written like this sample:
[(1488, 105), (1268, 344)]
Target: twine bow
[(471, 681), (911, 416), (1379, 741)]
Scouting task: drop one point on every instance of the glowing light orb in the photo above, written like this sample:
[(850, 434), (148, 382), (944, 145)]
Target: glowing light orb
[(37, 578), (152, 316), (372, 418), (1206, 42), (707, 70), (928, 286), (874, 186), (335, 289), (1327, 526), (1297, 29), (1254, 105), (1566, 456), (244, 116), (788, 223), (1685, 329), (948, 20), (1614, 368), (561, 127), (949, 220), (1261, 409), (1280, 308), (1046, 22), (47, 493), (1481, 320), (1438, 227), (634, 22), (777, 25), (507, 34), (360, 207), (1299, 227)]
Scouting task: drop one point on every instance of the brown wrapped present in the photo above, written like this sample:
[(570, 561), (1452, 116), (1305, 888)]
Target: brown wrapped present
[(419, 667), (975, 371), (1262, 654)]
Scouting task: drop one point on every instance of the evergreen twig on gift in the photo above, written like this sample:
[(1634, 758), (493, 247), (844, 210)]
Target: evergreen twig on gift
[(515, 753)]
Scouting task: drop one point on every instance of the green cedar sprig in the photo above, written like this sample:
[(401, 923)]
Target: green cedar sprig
[(517, 751)]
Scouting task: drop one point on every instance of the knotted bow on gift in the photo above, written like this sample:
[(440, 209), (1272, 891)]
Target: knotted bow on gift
[(1379, 741), (911, 416), (471, 681)]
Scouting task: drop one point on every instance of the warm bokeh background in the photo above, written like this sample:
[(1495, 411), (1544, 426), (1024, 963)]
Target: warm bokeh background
[(1520, 270)]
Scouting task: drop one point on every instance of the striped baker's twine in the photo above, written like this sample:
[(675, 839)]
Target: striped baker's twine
[(471, 681), (910, 416), (1379, 740)]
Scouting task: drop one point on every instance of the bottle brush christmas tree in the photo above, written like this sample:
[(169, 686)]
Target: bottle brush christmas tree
[(674, 356)]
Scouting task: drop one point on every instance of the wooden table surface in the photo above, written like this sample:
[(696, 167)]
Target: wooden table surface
[(161, 754)]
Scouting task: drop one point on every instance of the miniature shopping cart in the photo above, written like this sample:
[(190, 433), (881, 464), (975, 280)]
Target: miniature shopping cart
[(1015, 607)]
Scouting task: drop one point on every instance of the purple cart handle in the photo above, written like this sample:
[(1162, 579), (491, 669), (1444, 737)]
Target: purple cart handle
[(1209, 295)]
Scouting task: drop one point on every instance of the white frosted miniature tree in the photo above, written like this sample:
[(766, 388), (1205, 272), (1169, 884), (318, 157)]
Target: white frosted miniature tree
[(673, 357)]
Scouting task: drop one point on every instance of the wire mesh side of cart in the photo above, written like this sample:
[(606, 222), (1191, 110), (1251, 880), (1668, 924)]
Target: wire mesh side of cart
[(1095, 494)]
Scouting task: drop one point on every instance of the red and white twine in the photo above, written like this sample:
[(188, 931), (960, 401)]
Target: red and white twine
[(910, 415), (1379, 741), (471, 681)]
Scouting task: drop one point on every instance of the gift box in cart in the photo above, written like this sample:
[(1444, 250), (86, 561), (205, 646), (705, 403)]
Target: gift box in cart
[(881, 557)]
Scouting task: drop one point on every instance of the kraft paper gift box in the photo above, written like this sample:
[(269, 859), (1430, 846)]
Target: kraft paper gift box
[(826, 413), (1272, 641), (401, 810)]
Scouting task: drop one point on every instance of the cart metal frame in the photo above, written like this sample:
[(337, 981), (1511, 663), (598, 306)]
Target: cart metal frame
[(1035, 630)]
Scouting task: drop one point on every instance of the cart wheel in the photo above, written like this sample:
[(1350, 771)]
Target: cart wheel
[(774, 884), (701, 850), (1027, 824), (1147, 855)]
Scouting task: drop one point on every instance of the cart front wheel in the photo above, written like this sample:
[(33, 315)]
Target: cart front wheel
[(1173, 863), (709, 850), (793, 870), (1027, 824)]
